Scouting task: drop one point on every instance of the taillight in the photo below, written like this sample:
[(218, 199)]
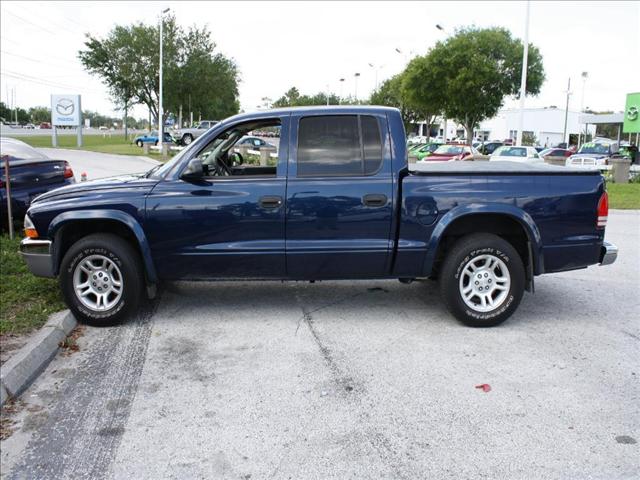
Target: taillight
[(603, 210), (68, 172)]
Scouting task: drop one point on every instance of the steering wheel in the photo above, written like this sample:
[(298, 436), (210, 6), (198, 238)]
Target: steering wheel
[(221, 168)]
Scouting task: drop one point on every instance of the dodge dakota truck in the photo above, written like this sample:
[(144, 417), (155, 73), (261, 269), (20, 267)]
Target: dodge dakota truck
[(338, 201)]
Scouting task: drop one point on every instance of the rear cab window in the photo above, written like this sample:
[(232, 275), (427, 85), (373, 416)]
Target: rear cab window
[(339, 145)]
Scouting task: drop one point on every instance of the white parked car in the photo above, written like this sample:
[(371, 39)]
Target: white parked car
[(509, 153)]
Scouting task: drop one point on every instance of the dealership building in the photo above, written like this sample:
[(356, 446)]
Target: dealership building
[(547, 124)]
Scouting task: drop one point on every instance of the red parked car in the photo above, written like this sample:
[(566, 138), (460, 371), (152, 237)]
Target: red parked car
[(45, 125), (451, 151), (556, 152)]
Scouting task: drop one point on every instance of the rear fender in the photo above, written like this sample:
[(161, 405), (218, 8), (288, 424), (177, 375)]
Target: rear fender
[(522, 217)]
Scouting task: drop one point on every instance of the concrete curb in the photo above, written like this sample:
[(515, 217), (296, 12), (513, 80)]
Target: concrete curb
[(28, 362)]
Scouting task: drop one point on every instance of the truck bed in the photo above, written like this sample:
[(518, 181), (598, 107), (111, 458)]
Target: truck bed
[(508, 168)]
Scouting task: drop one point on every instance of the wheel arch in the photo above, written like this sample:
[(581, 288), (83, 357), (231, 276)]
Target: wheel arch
[(68, 227), (506, 221)]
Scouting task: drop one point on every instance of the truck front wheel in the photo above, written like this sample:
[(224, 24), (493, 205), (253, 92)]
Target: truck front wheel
[(482, 280), (187, 139), (101, 279)]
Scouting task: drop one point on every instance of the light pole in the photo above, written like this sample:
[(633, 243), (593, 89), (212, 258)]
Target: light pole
[(341, 85), (566, 114), (356, 75), (444, 117), (523, 77), (585, 75), (160, 111), (376, 68)]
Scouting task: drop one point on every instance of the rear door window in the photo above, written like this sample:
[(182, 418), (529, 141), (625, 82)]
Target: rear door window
[(339, 145)]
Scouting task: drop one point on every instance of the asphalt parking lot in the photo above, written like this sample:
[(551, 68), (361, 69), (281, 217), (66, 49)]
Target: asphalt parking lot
[(367, 379)]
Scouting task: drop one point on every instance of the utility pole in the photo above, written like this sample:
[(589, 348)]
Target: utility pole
[(566, 114), (523, 77), (584, 75), (160, 111)]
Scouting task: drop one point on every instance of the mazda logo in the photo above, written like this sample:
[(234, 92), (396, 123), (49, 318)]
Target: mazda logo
[(65, 106), (632, 113)]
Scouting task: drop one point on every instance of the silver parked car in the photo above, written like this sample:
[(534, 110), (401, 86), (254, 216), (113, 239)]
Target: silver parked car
[(184, 136)]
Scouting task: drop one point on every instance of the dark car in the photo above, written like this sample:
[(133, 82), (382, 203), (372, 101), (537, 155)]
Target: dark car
[(31, 173), (489, 148)]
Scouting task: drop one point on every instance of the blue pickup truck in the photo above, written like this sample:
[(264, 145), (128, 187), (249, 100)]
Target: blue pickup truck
[(337, 201)]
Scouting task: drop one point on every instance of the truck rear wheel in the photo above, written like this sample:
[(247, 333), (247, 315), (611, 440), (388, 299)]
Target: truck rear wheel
[(187, 139), (101, 279), (482, 280)]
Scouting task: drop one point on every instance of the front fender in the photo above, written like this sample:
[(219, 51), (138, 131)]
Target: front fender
[(114, 215), (516, 213)]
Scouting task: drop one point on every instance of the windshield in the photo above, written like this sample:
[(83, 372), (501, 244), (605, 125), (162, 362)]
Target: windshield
[(448, 150), (597, 148), (429, 148), (511, 152)]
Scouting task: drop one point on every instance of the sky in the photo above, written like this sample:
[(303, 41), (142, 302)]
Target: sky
[(311, 45)]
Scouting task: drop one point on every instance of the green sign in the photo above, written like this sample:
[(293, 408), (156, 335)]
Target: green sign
[(632, 114)]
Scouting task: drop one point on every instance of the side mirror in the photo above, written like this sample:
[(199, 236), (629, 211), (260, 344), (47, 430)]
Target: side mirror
[(236, 159), (194, 170)]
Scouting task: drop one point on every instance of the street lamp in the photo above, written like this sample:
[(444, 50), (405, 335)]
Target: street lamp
[(566, 114), (160, 111), (376, 68), (523, 77), (356, 75), (341, 85), (444, 119), (584, 75)]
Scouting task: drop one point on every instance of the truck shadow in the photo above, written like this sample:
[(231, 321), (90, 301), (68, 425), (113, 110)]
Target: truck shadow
[(373, 300)]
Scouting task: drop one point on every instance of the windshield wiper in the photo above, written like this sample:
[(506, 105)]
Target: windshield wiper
[(148, 174)]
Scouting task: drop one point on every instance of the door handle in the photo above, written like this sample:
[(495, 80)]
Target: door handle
[(270, 201), (374, 200)]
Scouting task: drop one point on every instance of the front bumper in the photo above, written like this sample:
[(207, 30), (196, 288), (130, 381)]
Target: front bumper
[(608, 253), (38, 257)]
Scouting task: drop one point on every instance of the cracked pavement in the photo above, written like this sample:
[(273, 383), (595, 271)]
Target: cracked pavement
[(370, 379)]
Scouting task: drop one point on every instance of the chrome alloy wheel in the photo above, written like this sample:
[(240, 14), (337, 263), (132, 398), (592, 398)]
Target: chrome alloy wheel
[(484, 283), (97, 283)]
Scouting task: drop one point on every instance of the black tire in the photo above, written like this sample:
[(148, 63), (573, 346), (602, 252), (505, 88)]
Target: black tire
[(139, 143), (127, 260), (186, 139), (487, 246)]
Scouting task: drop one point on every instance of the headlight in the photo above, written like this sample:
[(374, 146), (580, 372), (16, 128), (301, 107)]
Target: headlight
[(29, 228)]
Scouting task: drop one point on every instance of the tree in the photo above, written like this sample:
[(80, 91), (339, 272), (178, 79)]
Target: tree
[(9, 115), (471, 73), (292, 98), (392, 93), (127, 60), (40, 114)]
